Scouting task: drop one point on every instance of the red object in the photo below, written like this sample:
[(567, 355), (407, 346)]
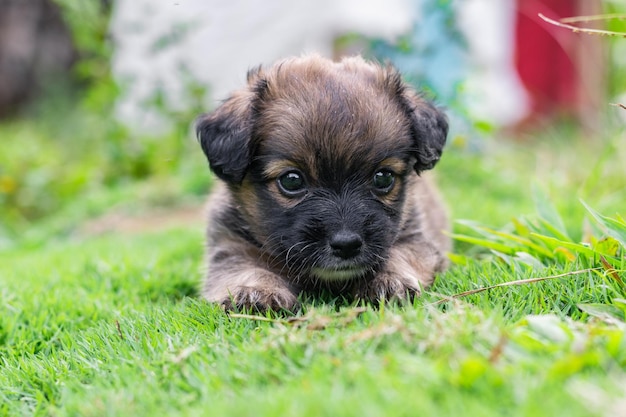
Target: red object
[(545, 57)]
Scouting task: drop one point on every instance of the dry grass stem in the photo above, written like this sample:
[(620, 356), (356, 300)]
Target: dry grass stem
[(593, 18), (512, 283), (577, 29)]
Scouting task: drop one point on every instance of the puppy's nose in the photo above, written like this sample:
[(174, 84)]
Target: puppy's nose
[(346, 244)]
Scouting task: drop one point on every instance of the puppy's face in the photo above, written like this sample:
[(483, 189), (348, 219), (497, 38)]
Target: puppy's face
[(319, 157)]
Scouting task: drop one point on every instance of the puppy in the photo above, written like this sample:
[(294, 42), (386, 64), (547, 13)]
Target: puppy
[(321, 166)]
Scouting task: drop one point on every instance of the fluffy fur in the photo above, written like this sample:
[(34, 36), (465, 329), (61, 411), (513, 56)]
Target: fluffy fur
[(320, 165)]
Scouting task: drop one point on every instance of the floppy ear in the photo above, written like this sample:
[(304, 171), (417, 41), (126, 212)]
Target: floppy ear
[(226, 134), (429, 126), (225, 137)]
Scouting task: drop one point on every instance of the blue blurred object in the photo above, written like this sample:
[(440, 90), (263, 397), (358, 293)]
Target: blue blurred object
[(432, 57)]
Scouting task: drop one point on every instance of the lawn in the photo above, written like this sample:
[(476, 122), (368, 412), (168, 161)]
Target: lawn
[(98, 324)]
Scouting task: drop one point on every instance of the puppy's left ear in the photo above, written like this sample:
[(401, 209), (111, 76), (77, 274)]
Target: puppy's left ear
[(429, 127)]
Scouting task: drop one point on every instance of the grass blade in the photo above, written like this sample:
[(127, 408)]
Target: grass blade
[(614, 228), (603, 311), (556, 243), (548, 213), (520, 243), (610, 270), (489, 244)]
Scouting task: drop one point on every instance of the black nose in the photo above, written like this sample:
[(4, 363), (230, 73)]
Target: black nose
[(346, 244)]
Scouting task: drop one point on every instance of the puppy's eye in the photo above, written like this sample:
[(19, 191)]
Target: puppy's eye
[(384, 180), (291, 184)]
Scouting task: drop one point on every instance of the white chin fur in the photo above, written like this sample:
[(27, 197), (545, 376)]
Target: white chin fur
[(337, 274)]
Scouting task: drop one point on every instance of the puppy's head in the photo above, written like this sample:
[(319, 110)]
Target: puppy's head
[(318, 157)]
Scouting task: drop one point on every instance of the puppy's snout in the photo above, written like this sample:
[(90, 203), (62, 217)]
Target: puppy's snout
[(346, 244)]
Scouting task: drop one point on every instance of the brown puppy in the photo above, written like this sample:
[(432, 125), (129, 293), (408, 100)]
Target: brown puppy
[(321, 163)]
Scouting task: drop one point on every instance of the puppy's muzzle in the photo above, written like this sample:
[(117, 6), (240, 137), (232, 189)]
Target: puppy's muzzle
[(346, 244)]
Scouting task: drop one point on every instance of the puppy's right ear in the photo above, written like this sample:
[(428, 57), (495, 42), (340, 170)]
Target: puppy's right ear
[(225, 137)]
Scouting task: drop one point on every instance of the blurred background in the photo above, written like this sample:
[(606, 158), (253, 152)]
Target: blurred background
[(98, 98)]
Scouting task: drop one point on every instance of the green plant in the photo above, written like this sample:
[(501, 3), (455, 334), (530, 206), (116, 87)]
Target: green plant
[(70, 146), (542, 241)]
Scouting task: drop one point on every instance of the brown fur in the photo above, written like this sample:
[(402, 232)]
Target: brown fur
[(336, 126)]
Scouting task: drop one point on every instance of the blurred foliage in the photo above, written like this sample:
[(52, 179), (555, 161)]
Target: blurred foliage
[(617, 70), (88, 23), (543, 240), (69, 144)]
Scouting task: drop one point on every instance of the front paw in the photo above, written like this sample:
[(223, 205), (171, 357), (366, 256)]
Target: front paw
[(260, 300), (387, 287)]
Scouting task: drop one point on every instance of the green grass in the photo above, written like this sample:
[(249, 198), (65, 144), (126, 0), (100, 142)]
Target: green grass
[(112, 325), (109, 328)]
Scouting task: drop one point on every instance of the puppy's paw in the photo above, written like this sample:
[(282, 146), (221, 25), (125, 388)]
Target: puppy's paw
[(387, 287), (260, 300)]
